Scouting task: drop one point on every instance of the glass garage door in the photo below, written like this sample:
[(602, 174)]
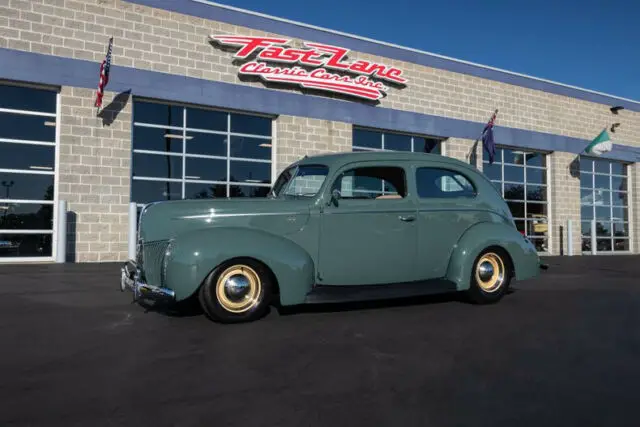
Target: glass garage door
[(27, 172)]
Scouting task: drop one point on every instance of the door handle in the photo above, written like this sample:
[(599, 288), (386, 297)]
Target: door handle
[(407, 218)]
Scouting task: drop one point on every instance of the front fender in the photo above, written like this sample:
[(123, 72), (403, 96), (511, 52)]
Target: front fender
[(196, 253), (523, 254)]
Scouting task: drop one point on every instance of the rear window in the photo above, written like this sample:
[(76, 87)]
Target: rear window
[(438, 183)]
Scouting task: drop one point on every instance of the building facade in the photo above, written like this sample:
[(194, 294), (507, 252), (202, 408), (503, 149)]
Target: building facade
[(207, 101)]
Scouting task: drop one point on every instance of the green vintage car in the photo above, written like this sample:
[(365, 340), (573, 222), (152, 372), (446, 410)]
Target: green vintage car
[(336, 227)]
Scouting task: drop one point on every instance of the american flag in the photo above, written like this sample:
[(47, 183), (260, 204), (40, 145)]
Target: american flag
[(104, 74), (487, 138)]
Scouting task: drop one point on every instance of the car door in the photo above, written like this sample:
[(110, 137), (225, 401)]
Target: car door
[(368, 235), (447, 206)]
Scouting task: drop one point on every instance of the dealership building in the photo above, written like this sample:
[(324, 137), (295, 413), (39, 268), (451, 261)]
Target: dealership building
[(210, 101)]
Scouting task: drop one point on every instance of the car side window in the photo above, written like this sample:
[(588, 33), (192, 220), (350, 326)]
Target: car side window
[(442, 183), (372, 182)]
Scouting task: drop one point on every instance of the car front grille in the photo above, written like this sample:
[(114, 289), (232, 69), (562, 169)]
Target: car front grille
[(150, 259)]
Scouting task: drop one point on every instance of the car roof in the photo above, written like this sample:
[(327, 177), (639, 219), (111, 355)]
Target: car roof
[(333, 160)]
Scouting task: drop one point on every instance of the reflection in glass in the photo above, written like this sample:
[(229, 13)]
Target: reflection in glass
[(205, 191), (536, 159), (586, 165), (250, 172), (620, 245), (367, 138), (586, 212), (30, 128), (151, 191), (397, 142), (513, 173), (250, 148), (603, 213), (534, 209), (536, 193), (154, 139), (157, 114), (586, 180), (157, 166), (25, 245), (603, 229), (206, 169), (586, 228), (22, 186), (602, 166), (252, 125), (248, 191), (513, 191), (536, 176), (620, 229), (618, 183), (206, 144), (602, 181), (427, 145), (517, 209), (603, 244), (620, 214), (198, 118), (619, 199), (27, 156), (28, 99), (618, 168), (25, 216)]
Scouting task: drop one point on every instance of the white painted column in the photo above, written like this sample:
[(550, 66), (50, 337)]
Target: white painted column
[(61, 245), (133, 232), (569, 238)]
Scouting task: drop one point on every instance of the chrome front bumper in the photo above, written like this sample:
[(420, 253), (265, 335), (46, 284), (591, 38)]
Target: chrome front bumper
[(130, 279)]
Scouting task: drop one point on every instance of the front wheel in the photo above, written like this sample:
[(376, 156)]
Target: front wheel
[(490, 277), (237, 291)]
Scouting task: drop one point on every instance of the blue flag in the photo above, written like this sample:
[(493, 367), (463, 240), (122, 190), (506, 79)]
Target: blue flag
[(487, 139)]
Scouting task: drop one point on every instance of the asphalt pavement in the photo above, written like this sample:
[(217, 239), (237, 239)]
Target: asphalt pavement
[(561, 350)]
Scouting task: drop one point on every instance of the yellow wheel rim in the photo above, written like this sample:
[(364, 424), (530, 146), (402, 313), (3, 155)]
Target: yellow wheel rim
[(490, 272), (238, 289)]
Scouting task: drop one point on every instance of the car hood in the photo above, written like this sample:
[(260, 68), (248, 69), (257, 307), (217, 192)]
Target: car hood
[(165, 220)]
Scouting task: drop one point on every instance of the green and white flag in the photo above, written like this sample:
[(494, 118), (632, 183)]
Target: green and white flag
[(600, 145)]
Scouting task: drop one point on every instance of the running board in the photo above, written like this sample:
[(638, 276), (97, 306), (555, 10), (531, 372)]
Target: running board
[(322, 294)]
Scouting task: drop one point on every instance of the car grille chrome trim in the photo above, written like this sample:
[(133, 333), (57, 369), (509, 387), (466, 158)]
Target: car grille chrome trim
[(153, 261)]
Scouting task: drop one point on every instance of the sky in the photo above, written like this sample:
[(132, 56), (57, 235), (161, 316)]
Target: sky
[(593, 44)]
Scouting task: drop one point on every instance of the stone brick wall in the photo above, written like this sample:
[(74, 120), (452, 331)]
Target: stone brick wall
[(300, 136), (565, 193), (634, 214), (95, 156), (164, 41)]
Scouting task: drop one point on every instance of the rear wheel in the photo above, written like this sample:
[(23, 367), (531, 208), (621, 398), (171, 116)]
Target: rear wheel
[(237, 291), (490, 277)]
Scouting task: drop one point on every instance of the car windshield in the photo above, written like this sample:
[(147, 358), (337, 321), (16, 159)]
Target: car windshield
[(300, 181)]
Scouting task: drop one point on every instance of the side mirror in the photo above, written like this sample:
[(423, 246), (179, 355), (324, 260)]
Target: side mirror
[(335, 197)]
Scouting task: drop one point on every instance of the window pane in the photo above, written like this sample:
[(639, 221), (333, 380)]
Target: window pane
[(23, 216), (25, 156), (618, 168), (618, 183), (586, 228), (397, 142), (620, 214), (586, 196), (157, 114), (156, 140), (513, 173), (620, 229), (536, 193), (153, 191), (603, 229), (586, 180), (206, 119), (536, 159), (586, 212), (24, 186), (604, 244), (538, 227), (602, 166), (254, 125), (602, 198), (25, 245), (426, 145), (511, 157), (248, 191), (602, 181), (436, 183), (23, 98), (250, 172), (205, 191), (620, 244), (536, 209), (619, 199), (206, 169), (250, 148), (536, 176), (207, 144), (586, 164), (586, 245), (517, 209), (367, 138), (32, 128), (513, 191), (157, 166), (493, 171), (603, 213)]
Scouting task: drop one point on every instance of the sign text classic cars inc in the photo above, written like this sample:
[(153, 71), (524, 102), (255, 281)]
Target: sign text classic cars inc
[(322, 59)]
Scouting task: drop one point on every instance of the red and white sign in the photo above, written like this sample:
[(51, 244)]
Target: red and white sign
[(323, 58)]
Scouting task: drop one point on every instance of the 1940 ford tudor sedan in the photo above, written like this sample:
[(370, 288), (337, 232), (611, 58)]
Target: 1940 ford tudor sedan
[(336, 227)]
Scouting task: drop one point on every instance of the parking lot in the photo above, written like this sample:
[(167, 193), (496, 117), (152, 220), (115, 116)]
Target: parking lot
[(563, 350)]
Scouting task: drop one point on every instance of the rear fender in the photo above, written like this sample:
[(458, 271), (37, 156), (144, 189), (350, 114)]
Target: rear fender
[(523, 254), (196, 253)]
